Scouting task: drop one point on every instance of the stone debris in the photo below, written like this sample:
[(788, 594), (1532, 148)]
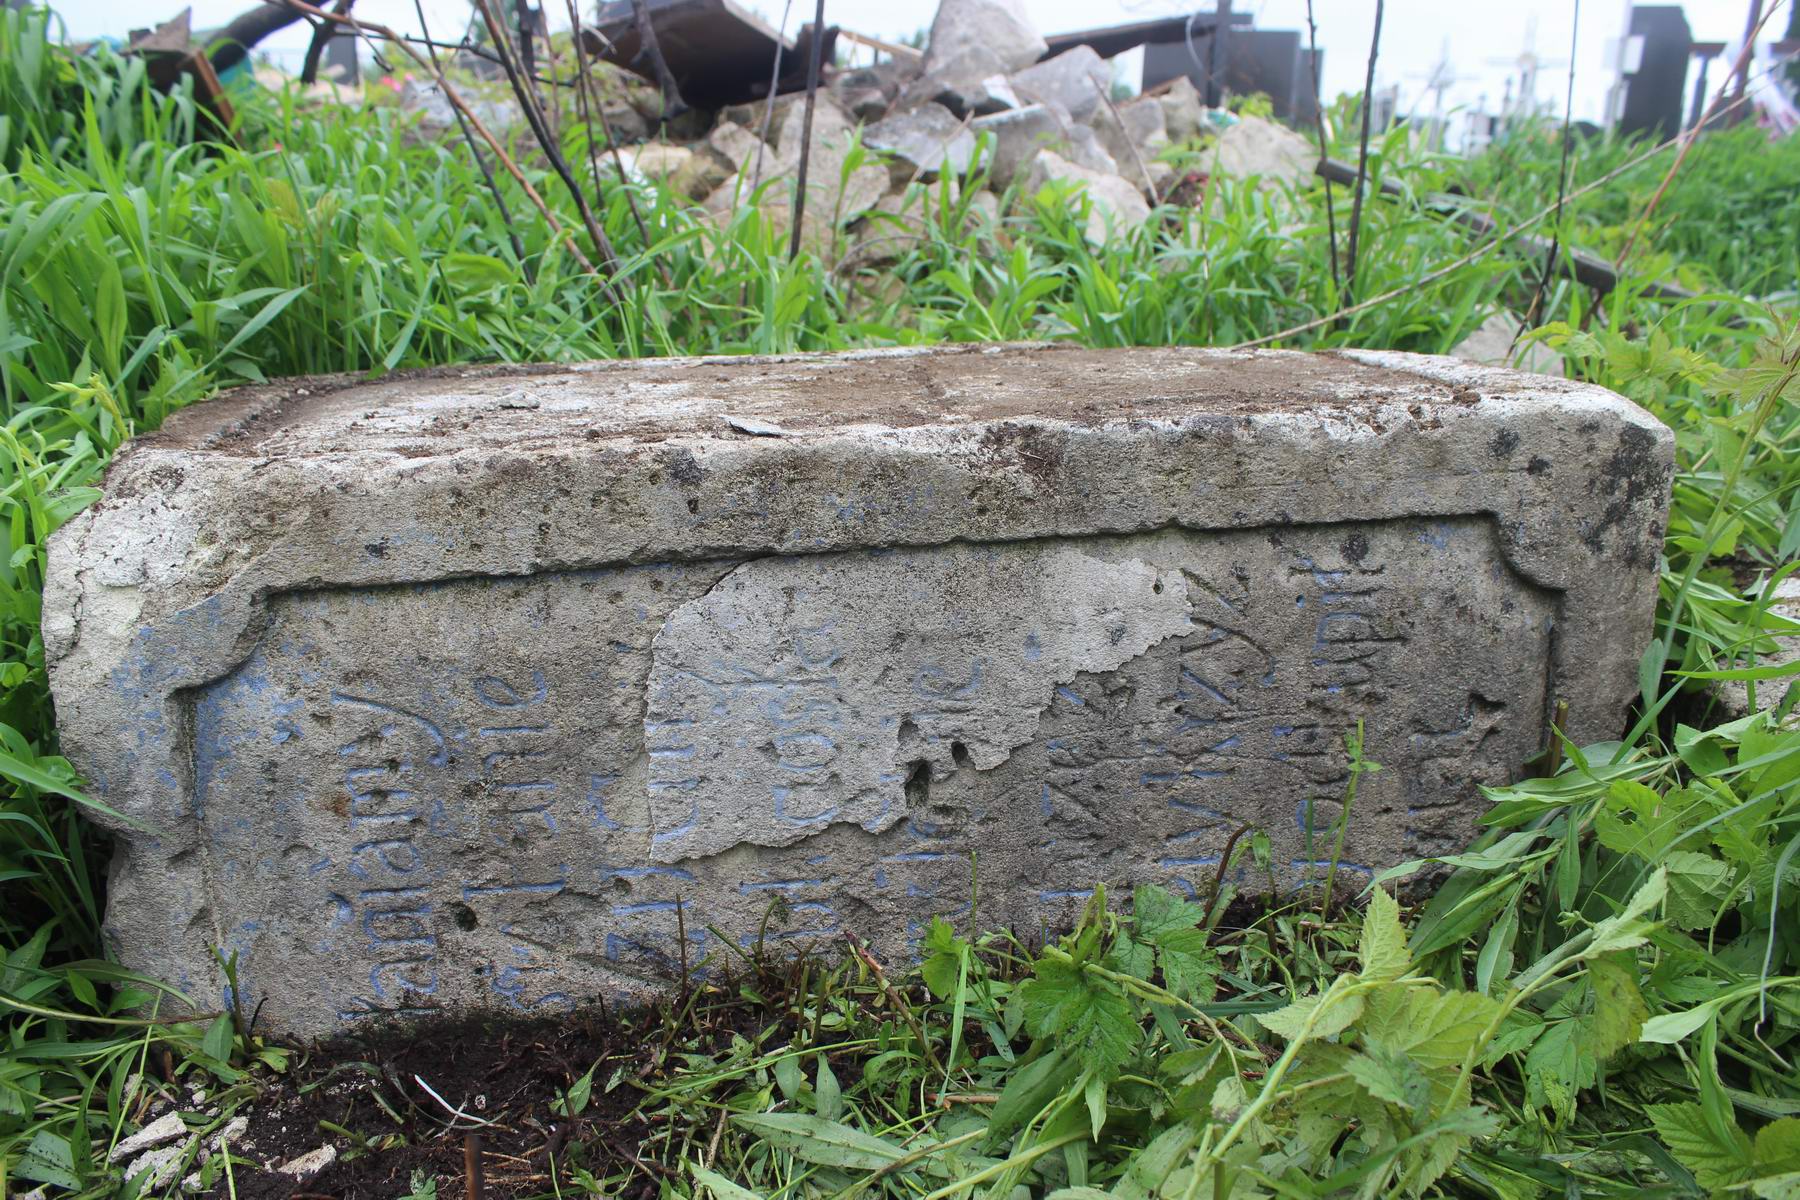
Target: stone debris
[(155, 1169), (1183, 113), (305, 1166), (1255, 148), (165, 1128), (454, 761), (1493, 344), (1133, 134), (1114, 205), (1075, 81), (986, 78), (923, 142), (978, 38)]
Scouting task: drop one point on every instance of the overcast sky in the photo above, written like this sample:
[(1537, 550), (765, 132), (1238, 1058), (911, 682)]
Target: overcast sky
[(1484, 37)]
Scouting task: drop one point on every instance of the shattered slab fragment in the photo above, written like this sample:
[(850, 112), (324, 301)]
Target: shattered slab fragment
[(520, 687)]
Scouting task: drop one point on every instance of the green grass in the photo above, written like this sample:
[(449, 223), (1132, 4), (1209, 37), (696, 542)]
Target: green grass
[(140, 271)]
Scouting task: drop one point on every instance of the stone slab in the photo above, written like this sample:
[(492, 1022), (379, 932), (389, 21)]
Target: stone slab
[(487, 687)]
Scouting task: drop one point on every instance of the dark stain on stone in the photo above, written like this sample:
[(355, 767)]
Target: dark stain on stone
[(1631, 474), (1355, 547), (1537, 466), (1504, 443), (685, 469)]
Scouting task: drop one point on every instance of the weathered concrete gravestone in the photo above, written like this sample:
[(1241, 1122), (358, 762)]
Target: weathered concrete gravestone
[(484, 688)]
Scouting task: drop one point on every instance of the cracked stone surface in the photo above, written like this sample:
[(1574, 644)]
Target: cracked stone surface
[(483, 688)]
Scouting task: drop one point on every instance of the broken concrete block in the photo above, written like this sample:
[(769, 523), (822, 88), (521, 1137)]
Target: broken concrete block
[(1181, 110), (664, 163), (1116, 206), (1257, 149), (831, 194), (1018, 135), (481, 687), (967, 84), (1493, 344), (1133, 134), (998, 32), (923, 142), (1075, 80)]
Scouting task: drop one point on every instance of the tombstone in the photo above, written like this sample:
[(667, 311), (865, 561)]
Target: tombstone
[(522, 687), (1656, 90), (1274, 62)]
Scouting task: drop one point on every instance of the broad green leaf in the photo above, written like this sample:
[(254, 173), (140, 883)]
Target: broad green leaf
[(1718, 1158), (1388, 1078), (220, 1037), (48, 1159), (787, 1075), (1778, 1147), (829, 1097), (1382, 950), (1089, 1015), (1619, 1010), (1331, 1018), (1628, 928), (1094, 1094)]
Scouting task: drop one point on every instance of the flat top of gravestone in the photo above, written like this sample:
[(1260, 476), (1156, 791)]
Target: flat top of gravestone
[(424, 413)]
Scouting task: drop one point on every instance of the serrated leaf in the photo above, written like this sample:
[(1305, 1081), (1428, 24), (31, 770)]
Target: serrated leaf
[(1558, 1066), (1629, 928), (1388, 1078), (1778, 1147), (1382, 948), (1190, 965), (1064, 1002), (1619, 1009), (1697, 882), (1156, 910), (1718, 1158), (1290, 1022)]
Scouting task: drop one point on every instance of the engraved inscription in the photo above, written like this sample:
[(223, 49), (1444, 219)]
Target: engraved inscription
[(529, 792)]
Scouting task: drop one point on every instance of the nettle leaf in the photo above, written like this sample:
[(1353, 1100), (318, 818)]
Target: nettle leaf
[(1778, 1147), (1190, 966), (1134, 958), (1630, 928), (1637, 820), (1619, 1008), (1390, 1078), (1435, 1029), (1697, 883), (1336, 1016), (1064, 1002), (1383, 946), (1557, 1067), (1717, 1157)]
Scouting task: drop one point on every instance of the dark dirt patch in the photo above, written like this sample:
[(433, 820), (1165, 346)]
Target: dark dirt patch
[(499, 1069)]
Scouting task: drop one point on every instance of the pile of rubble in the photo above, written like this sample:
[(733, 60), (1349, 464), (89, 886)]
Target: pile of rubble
[(982, 86)]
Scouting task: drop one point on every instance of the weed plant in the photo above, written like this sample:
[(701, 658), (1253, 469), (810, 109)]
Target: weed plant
[(1599, 1000)]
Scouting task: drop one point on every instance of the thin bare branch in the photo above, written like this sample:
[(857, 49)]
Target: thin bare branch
[(1362, 157)]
